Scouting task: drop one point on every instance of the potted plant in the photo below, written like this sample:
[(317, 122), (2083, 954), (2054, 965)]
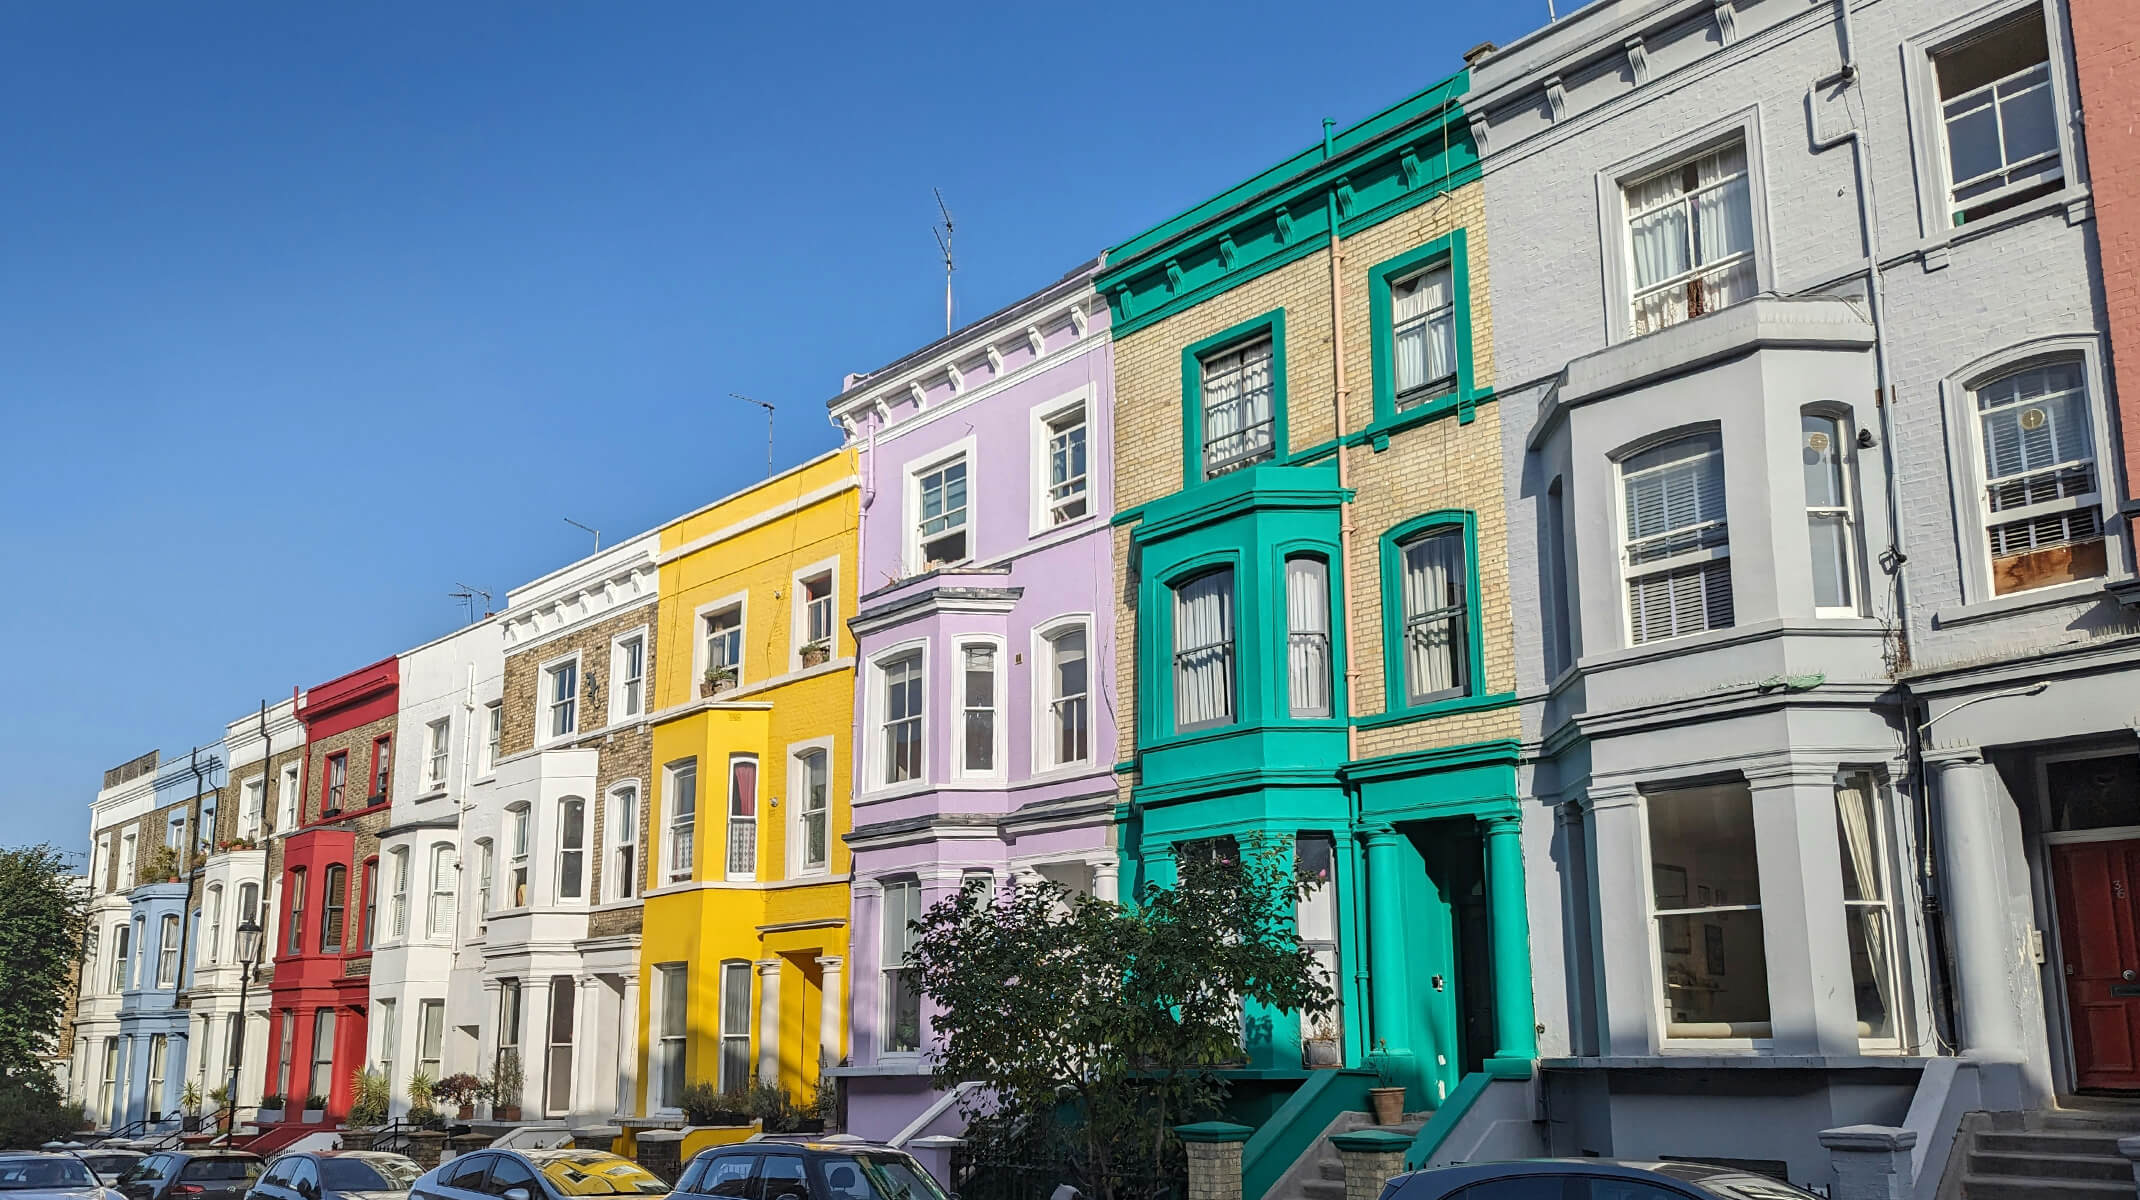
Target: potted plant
[(189, 1107), (505, 1087), (1388, 1098), (314, 1111), (717, 680), (421, 1091), (702, 1104), (370, 1095), (459, 1090), (160, 865), (270, 1109), (816, 653)]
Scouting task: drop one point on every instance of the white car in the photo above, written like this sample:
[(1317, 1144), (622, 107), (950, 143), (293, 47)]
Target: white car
[(41, 1176)]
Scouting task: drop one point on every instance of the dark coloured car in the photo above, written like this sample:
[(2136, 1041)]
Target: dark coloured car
[(41, 1176), (536, 1175), (337, 1175), (110, 1162), (1589, 1179), (193, 1175), (807, 1171)]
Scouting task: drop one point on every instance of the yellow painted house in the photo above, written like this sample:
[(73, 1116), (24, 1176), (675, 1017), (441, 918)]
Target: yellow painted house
[(746, 912)]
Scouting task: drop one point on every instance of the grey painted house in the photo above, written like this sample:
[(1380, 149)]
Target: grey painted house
[(1808, 443)]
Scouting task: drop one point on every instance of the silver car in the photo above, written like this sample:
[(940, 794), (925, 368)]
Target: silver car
[(49, 1177), (109, 1162)]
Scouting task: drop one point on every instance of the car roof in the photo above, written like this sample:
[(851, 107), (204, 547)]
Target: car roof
[(1691, 1174), (770, 1146), (213, 1153)]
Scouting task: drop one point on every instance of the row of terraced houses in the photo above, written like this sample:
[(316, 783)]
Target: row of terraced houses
[(1647, 516)]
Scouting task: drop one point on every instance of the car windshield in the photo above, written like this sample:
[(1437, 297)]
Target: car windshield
[(38, 1174), (601, 1175), (878, 1177), (371, 1173)]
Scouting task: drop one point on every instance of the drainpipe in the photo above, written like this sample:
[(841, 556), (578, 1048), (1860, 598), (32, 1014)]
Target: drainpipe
[(185, 908), (1340, 395)]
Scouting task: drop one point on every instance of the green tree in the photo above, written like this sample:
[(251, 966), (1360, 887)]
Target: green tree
[(41, 915), (1093, 1028)]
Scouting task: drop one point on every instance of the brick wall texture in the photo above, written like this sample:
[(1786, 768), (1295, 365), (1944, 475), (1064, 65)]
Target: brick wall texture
[(2106, 49), (626, 751), (364, 822), (1444, 464)]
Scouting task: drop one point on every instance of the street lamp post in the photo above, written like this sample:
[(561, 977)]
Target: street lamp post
[(248, 958)]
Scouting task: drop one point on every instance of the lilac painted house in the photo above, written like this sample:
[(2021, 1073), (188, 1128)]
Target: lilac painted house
[(984, 706)]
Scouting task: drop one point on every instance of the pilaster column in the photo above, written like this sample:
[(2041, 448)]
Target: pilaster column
[(1804, 930), (769, 1021), (1389, 995), (864, 996), (1974, 894), (1508, 921), (830, 1010), (487, 1030), (630, 1055), (535, 1044), (1579, 956), (1627, 983), (589, 1048), (1107, 879)]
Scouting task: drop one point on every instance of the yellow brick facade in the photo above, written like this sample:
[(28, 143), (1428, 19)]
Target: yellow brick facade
[(748, 897)]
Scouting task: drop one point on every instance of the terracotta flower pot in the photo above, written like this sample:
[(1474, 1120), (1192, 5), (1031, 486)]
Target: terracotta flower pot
[(467, 1113), (1389, 1104)]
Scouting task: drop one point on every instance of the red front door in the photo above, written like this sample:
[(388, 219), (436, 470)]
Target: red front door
[(2099, 936)]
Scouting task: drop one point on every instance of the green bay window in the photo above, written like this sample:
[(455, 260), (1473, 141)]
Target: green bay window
[(1204, 651)]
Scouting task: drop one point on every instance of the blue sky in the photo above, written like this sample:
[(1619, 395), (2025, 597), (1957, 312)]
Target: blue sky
[(313, 310)]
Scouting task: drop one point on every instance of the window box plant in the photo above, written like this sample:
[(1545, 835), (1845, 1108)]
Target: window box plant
[(270, 1109), (717, 680), (189, 1107), (817, 653), (315, 1110)]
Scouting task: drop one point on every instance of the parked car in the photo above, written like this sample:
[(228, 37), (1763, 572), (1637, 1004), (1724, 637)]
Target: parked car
[(1589, 1179), (807, 1171), (109, 1162), (536, 1175), (193, 1175), (42, 1176), (336, 1175)]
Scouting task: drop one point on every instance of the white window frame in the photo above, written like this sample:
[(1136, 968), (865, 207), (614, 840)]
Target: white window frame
[(799, 865), (519, 843), (1043, 700), (389, 1026), (1699, 557), (212, 924), (1660, 1003), (701, 662), (290, 792), (722, 1033), (397, 921), (1613, 181), (619, 709), (445, 869), (129, 860), (430, 1036), (167, 927), (1883, 830), (1000, 749), (438, 753), (486, 878), (1040, 434), (799, 610), (910, 513), (1965, 456), (1920, 82), (875, 704), (670, 826), (733, 823), (623, 836), (668, 1047), (886, 970), (252, 806), (557, 866), (1847, 512), (493, 737), (546, 702)]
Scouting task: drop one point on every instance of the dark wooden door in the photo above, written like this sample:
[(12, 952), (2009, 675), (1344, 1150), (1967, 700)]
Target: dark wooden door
[(2099, 937)]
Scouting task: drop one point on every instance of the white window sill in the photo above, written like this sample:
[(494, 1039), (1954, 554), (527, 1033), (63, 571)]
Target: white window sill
[(435, 793), (2074, 201), (2019, 602), (900, 790)]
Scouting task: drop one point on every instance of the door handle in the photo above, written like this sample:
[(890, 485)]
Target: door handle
[(2130, 975)]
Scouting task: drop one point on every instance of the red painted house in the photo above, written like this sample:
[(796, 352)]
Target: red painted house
[(329, 907)]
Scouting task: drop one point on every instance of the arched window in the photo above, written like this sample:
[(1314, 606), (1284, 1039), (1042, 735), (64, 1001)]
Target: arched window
[(1066, 735), (2040, 497), (334, 905), (623, 873), (1203, 651), (572, 849), (1831, 525), (1307, 612), (297, 910), (742, 816), (398, 905), (812, 803), (212, 924), (438, 922)]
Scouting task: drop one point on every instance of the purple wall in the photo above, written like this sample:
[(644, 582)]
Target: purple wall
[(1021, 577)]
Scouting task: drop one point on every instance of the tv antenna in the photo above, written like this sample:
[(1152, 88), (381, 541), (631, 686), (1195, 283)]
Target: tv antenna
[(942, 233), (589, 528), (768, 428), (467, 595)]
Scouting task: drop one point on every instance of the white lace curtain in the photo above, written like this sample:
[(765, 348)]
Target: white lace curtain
[(1307, 586), (1692, 216), (1237, 404), (1203, 650), (1433, 613), (1423, 318)]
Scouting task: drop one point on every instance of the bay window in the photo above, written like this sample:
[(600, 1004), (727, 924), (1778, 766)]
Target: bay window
[(572, 849), (1307, 608), (742, 817), (683, 817), (1831, 527), (1068, 734), (167, 951), (398, 898), (516, 857), (1706, 896), (1676, 541), (1203, 651), (901, 731), (1869, 922), (978, 699), (902, 995), (673, 1023), (334, 905), (734, 1066)]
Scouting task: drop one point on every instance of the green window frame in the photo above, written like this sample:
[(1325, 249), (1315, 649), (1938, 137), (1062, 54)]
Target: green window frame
[(1448, 250), (1193, 357), (1397, 699)]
